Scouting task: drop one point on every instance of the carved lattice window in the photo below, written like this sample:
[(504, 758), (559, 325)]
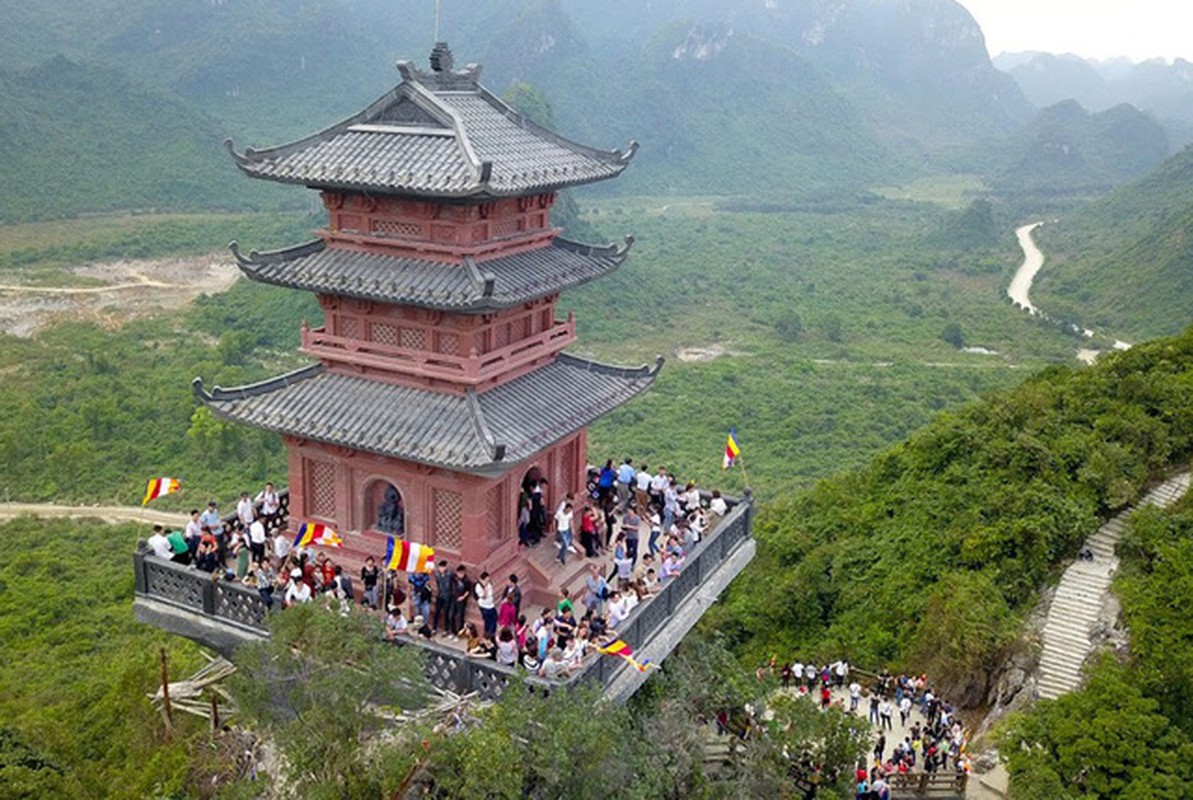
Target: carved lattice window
[(501, 335), (392, 228), (350, 327), (567, 465), (449, 344), (384, 333), (322, 477), (414, 338), (449, 519), (505, 228), (495, 512)]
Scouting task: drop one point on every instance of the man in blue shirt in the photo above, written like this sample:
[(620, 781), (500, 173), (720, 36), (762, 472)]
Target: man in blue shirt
[(626, 474), (211, 520)]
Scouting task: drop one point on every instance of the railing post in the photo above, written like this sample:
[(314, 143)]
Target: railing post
[(140, 582), (209, 605)]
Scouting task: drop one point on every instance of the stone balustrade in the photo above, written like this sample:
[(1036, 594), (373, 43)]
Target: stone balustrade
[(223, 615)]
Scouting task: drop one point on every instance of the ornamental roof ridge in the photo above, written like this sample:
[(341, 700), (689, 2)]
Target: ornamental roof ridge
[(603, 368), (279, 256), (257, 389), (399, 144)]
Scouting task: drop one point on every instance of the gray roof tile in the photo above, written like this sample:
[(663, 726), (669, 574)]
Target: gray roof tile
[(483, 433), (436, 135), (499, 282)]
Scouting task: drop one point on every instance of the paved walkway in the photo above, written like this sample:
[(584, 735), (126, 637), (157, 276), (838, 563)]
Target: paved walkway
[(1083, 589), (107, 513)]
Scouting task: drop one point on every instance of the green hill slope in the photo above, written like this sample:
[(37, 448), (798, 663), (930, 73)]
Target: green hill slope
[(1067, 151), (1124, 264), (927, 559), (78, 138)]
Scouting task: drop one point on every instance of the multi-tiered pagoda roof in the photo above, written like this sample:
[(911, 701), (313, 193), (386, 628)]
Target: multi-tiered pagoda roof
[(438, 196), (437, 134)]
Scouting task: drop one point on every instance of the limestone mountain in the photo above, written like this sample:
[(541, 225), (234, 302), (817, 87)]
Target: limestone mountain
[(1067, 151), (1157, 86)]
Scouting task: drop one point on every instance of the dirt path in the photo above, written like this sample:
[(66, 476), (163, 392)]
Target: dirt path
[(130, 289), (107, 513)]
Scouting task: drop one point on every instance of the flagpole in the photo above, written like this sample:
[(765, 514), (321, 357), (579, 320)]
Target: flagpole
[(744, 478)]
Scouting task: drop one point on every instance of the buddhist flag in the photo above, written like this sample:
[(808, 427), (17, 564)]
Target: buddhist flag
[(160, 487), (732, 450), (317, 533), (409, 556), (623, 650)]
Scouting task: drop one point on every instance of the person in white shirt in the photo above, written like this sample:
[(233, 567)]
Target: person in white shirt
[(904, 710), (395, 624), (717, 504), (563, 530), (618, 610), (160, 544), (257, 539), (270, 501), (855, 695), (642, 488), (281, 545), (297, 591), (245, 511), (484, 601)]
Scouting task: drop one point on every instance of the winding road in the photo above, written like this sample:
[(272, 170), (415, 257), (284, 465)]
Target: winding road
[(1033, 259), (1020, 289)]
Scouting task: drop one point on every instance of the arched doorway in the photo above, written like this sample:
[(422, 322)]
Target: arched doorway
[(385, 510), (532, 507)]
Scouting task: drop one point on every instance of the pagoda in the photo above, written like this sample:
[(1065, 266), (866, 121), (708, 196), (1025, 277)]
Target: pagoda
[(440, 388)]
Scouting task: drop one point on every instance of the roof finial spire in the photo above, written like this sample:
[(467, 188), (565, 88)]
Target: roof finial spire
[(438, 19)]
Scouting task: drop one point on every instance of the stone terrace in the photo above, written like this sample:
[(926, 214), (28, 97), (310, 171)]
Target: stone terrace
[(224, 615)]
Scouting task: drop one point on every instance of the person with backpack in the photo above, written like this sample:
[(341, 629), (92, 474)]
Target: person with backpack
[(420, 594)]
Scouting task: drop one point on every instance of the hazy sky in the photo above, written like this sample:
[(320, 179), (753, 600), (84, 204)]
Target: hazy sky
[(1138, 29)]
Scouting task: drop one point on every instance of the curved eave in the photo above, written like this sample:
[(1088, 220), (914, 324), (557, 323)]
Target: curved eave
[(255, 267), (475, 191), (329, 411)]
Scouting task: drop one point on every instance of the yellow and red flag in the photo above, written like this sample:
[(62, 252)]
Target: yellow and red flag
[(160, 487), (316, 533), (409, 556), (623, 650), (732, 450)]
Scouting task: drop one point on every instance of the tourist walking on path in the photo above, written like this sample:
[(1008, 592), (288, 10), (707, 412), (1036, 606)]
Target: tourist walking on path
[(563, 531), (885, 712)]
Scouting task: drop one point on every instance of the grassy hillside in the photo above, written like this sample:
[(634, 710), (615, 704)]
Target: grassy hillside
[(79, 138), (1124, 264), (927, 558), (75, 722)]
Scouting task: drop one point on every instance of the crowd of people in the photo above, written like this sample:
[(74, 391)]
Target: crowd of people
[(932, 738), (620, 508)]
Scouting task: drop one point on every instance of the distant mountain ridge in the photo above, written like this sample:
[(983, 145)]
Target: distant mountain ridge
[(1067, 151), (1157, 86), (726, 96)]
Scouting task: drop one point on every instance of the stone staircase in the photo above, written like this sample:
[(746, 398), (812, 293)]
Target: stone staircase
[(1078, 601)]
